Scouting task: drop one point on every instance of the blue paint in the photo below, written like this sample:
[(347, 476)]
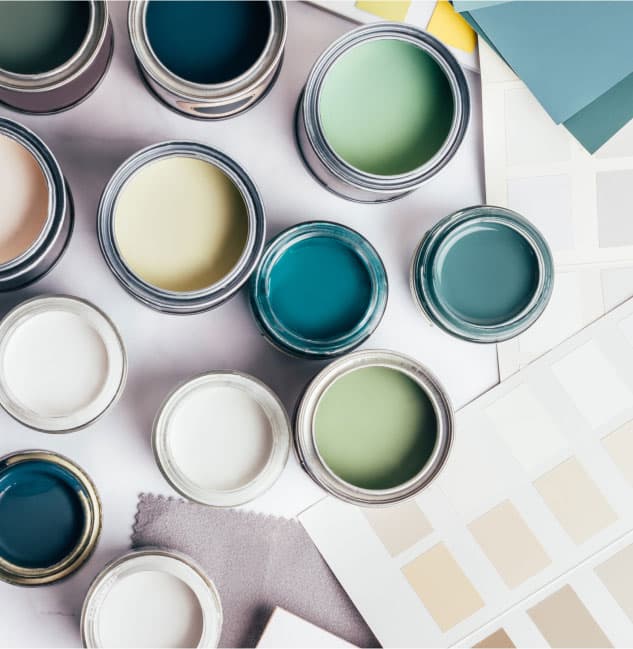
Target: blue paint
[(41, 515), (207, 42), (319, 290), (486, 273)]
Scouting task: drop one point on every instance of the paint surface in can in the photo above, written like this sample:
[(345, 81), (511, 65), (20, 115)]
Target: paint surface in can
[(39, 36), (485, 273), (41, 515), (375, 427), (386, 107), (207, 42), (24, 199), (320, 288), (180, 223)]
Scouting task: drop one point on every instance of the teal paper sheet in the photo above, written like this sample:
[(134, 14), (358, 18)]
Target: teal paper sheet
[(595, 123), (602, 119), (567, 53), (472, 5)]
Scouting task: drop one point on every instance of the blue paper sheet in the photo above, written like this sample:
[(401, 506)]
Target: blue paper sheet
[(567, 53)]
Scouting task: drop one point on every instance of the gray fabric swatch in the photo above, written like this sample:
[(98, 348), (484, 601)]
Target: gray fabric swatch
[(257, 562)]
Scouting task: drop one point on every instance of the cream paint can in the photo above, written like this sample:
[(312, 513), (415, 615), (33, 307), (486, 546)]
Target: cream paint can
[(151, 598), (62, 363), (182, 226), (222, 438), (36, 209)]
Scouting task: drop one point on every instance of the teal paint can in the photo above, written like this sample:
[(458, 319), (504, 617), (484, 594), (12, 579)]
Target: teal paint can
[(319, 291), (50, 517), (208, 59), (484, 274)]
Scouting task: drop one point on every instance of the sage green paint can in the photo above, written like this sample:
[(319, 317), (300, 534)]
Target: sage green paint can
[(374, 428)]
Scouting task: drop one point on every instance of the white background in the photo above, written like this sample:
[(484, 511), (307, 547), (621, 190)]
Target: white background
[(90, 142)]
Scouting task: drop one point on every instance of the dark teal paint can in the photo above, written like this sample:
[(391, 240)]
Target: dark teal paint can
[(208, 58), (50, 517)]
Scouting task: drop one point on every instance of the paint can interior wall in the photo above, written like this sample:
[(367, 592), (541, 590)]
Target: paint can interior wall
[(25, 196)]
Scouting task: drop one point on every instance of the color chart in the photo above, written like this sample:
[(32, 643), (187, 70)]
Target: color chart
[(529, 523), (535, 167)]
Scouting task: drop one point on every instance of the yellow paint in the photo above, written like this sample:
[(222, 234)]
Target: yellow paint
[(180, 224), (387, 9), (447, 25)]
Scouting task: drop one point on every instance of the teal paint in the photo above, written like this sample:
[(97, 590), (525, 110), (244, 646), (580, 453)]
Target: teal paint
[(41, 515), (485, 273), (319, 288), (207, 42), (39, 36)]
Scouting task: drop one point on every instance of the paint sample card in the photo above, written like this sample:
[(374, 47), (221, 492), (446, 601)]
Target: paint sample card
[(536, 168), (434, 16), (503, 549), (286, 630)]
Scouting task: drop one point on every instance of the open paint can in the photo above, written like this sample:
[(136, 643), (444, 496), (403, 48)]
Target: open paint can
[(53, 53), (222, 438), (62, 363), (373, 428), (181, 226), (319, 291), (484, 274), (208, 60), (36, 210), (151, 598), (384, 108), (50, 517)]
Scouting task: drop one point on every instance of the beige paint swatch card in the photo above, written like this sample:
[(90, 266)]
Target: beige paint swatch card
[(526, 537), (578, 201)]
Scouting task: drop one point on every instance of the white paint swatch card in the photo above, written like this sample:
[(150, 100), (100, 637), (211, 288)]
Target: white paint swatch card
[(530, 521), (288, 631), (581, 203)]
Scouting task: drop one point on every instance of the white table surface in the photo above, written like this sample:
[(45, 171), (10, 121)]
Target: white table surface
[(90, 142)]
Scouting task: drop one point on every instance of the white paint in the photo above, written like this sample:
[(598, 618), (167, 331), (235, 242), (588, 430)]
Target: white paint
[(55, 363), (150, 609), (220, 437), (61, 363)]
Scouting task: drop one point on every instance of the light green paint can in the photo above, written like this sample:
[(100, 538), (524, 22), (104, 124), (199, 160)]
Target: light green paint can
[(374, 428), (386, 107)]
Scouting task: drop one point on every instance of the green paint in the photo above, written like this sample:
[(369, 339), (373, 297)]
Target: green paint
[(386, 107), (485, 273), (375, 428), (39, 36)]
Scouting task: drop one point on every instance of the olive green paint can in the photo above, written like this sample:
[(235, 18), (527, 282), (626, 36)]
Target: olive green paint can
[(374, 428)]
